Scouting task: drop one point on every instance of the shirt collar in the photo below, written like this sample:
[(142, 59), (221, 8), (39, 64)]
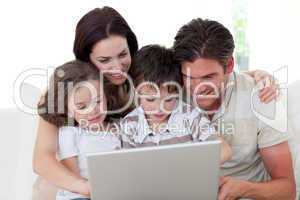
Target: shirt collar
[(143, 126), (144, 129)]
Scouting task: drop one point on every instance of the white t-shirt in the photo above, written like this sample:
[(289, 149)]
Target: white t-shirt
[(75, 141)]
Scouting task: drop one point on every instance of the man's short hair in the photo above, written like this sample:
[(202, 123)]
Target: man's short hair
[(204, 39)]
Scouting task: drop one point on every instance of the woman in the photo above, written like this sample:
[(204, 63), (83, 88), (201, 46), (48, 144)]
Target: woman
[(104, 39)]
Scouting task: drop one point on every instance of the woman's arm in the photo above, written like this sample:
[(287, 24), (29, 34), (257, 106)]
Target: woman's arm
[(269, 89), (47, 166)]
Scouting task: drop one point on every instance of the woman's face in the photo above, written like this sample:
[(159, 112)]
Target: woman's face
[(112, 57)]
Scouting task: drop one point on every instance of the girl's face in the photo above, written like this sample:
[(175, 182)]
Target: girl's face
[(87, 104), (157, 105), (112, 57)]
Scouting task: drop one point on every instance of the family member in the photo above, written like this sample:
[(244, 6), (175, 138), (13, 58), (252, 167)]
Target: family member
[(105, 40), (261, 165), (161, 117), (81, 117)]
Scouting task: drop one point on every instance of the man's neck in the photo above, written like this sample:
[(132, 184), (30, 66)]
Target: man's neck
[(213, 108), (218, 103)]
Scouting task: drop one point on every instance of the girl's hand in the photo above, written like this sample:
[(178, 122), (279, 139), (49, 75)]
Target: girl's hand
[(82, 187), (269, 90)]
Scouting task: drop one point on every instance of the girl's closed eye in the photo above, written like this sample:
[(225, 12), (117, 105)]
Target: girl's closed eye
[(81, 107), (97, 100)]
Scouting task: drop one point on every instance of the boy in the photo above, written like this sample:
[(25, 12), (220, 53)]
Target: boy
[(161, 117)]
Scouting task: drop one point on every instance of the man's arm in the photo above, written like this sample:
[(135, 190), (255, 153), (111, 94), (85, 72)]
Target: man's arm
[(278, 162)]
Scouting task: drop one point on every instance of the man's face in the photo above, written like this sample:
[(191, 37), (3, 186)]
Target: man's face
[(203, 79)]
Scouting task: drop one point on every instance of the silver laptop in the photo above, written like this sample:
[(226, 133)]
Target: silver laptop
[(174, 172)]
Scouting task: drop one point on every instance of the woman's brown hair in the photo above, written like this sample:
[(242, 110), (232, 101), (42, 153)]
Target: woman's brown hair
[(54, 108), (99, 24)]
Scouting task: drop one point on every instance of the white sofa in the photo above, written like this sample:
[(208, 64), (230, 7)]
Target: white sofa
[(16, 146), (294, 128), (18, 136)]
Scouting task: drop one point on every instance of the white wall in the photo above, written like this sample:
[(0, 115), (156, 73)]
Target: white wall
[(39, 34), (274, 36)]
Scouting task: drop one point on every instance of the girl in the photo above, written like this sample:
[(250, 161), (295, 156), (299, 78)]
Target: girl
[(77, 103)]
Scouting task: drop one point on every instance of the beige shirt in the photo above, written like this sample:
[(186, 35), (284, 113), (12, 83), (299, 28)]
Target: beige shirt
[(244, 125), (185, 124)]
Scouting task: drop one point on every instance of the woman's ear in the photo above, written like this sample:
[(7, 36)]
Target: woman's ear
[(230, 65)]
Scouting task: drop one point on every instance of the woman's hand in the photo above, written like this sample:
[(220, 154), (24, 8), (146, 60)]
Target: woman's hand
[(269, 90)]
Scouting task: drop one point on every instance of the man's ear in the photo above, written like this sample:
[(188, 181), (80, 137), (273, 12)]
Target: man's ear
[(230, 65)]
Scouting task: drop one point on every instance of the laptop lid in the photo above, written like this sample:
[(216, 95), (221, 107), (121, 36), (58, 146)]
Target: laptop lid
[(176, 172)]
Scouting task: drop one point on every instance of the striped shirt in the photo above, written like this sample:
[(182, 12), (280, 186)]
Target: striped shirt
[(185, 124)]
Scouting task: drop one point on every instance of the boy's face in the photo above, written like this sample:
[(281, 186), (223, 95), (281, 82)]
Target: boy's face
[(204, 79), (157, 103), (89, 104)]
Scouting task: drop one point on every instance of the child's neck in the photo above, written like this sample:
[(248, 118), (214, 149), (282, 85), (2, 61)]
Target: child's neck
[(104, 126), (157, 126)]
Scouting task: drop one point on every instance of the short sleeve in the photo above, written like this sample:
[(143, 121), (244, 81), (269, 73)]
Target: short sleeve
[(272, 124), (67, 144), (268, 136)]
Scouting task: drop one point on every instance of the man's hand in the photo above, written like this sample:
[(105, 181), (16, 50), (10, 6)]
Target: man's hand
[(278, 163), (230, 188)]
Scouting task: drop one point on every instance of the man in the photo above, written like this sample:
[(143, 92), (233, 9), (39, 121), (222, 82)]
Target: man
[(261, 165)]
